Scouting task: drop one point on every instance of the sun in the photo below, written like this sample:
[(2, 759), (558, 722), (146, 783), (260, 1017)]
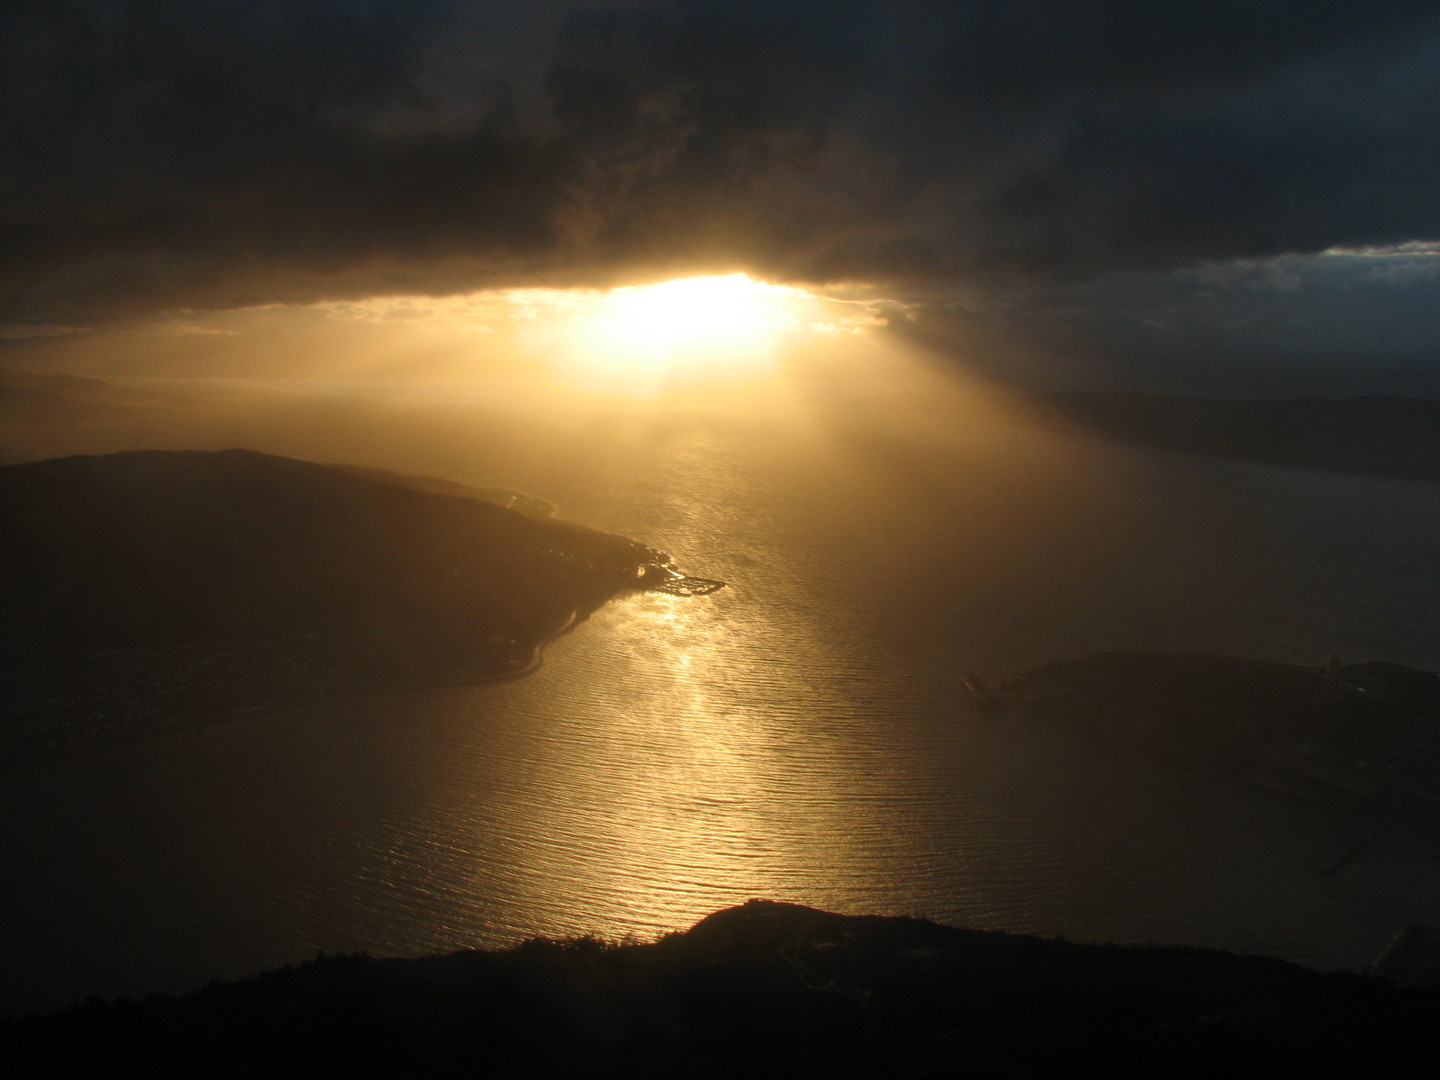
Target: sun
[(703, 331), (691, 315)]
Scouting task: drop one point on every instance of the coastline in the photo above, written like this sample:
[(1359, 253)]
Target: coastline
[(156, 590), (518, 660)]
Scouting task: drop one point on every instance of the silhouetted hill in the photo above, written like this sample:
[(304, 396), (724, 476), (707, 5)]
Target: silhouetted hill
[(765, 989), (145, 589), (1371, 436)]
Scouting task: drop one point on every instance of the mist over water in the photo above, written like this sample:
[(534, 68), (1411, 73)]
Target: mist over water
[(885, 526)]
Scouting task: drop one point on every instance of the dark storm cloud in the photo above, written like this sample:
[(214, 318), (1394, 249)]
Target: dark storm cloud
[(214, 153), (1339, 323)]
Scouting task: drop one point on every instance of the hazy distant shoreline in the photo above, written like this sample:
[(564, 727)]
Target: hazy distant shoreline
[(1390, 437)]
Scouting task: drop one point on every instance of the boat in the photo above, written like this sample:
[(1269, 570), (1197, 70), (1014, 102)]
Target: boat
[(985, 698)]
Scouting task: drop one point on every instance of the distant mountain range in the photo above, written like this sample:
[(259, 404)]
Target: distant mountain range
[(148, 589), (1370, 436)]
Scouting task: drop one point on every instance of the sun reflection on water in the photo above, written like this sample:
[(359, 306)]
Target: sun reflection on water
[(695, 787)]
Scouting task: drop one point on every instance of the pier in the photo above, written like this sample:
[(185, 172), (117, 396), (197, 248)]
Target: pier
[(661, 577)]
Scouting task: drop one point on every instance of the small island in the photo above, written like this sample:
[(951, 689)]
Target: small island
[(1362, 737), (148, 590)]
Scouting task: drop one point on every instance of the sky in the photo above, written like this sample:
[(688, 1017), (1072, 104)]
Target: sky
[(1223, 197)]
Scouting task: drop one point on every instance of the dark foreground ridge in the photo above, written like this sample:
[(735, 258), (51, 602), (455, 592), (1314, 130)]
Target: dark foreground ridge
[(1369, 436), (765, 989), (141, 591)]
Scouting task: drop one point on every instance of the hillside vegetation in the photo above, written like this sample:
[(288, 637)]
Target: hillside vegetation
[(764, 989)]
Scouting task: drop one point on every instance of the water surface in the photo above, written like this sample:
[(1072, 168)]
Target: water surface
[(798, 735)]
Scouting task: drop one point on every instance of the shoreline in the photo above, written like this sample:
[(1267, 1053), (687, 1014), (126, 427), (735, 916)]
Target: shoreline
[(22, 754), (215, 585)]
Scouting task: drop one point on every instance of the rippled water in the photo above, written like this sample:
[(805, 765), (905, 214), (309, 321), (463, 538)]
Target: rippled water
[(797, 735)]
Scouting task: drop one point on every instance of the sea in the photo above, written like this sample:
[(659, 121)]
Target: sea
[(800, 735)]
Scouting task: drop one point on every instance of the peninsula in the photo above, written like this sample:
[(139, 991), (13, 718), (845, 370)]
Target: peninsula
[(142, 591)]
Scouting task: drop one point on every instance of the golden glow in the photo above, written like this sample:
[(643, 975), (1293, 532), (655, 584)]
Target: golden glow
[(690, 336), (640, 338), (692, 315)]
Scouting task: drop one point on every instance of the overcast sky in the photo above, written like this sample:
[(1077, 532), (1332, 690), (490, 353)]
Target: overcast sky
[(1154, 190)]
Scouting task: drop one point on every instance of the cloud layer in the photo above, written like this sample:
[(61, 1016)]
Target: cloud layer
[(214, 153)]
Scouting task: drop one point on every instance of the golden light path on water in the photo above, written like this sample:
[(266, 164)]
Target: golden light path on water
[(685, 797), (708, 750), (885, 523)]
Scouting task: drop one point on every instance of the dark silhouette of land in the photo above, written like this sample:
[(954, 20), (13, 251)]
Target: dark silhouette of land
[(143, 590), (1364, 737), (1370, 436), (765, 989)]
